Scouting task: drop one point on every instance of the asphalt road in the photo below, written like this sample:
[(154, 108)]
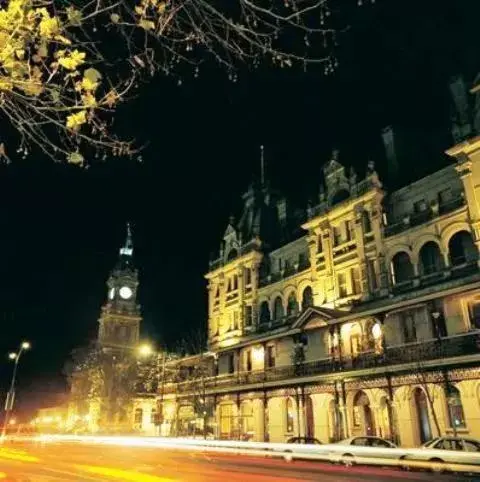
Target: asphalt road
[(35, 462)]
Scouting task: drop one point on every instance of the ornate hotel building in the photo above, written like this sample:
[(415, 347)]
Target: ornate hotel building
[(361, 319)]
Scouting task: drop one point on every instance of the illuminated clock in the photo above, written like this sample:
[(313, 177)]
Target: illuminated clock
[(125, 292), (111, 293)]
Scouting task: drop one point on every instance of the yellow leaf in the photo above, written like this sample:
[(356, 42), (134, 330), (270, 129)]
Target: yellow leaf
[(146, 24), (89, 100), (20, 53), (72, 60), (115, 18), (74, 16), (32, 88), (75, 158), (139, 10), (6, 83), (161, 7), (49, 26), (88, 85), (75, 121)]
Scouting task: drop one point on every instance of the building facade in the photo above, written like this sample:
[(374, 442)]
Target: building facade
[(362, 318)]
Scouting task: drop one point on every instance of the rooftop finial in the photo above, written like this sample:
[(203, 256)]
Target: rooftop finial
[(262, 166), (127, 248)]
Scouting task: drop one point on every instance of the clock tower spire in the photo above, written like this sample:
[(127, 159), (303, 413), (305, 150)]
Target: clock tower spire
[(120, 318)]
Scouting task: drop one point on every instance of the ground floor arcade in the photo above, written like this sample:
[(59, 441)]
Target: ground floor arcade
[(408, 409)]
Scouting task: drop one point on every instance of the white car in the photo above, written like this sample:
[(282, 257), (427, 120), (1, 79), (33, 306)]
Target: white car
[(354, 449), (447, 453)]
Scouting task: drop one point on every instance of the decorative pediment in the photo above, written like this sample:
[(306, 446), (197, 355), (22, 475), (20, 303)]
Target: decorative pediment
[(315, 317)]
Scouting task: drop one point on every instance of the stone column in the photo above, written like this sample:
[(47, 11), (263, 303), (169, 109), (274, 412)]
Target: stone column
[(259, 420)]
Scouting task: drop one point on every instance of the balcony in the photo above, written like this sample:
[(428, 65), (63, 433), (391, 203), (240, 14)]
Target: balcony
[(417, 353), (417, 219), (435, 278)]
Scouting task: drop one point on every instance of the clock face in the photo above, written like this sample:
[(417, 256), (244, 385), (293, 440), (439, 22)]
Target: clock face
[(111, 293), (125, 292)]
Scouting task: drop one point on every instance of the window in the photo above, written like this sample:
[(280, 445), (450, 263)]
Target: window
[(307, 298), (289, 415), (302, 260), (264, 312), (231, 363), (248, 276), (270, 356), (366, 221), (248, 360), (474, 311), (153, 416), (342, 285), (471, 445), (235, 282), (138, 416), (337, 236), (372, 275), (350, 230), (320, 244), (235, 320), (454, 400), (248, 316), (409, 329), (356, 282), (278, 311), (292, 305)]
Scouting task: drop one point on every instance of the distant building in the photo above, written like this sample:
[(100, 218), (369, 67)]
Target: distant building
[(367, 322)]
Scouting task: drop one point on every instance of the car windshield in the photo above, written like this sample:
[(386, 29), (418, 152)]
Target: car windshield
[(430, 442)]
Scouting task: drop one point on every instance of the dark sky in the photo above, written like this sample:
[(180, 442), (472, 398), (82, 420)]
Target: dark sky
[(61, 226)]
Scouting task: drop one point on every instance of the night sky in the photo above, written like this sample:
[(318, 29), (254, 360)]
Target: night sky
[(61, 226)]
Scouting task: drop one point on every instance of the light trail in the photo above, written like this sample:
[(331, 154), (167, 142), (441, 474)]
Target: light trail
[(393, 457)]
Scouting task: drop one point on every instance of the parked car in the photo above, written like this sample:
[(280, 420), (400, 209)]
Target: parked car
[(442, 451), (304, 440), (300, 441), (348, 457)]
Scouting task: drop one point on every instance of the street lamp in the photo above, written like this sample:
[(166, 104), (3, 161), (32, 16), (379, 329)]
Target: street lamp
[(11, 393)]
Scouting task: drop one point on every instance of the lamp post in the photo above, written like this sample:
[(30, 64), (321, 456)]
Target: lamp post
[(11, 393)]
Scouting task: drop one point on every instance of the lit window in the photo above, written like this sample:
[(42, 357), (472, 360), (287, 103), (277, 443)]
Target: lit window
[(138, 416), (342, 285), (454, 400), (356, 283)]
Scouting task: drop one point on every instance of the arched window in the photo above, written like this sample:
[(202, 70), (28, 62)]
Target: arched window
[(264, 312), (430, 258), (138, 416), (455, 408), (401, 268), (278, 311), (462, 249), (292, 305), (289, 415), (307, 298)]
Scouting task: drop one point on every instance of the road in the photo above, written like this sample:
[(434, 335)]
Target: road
[(45, 462)]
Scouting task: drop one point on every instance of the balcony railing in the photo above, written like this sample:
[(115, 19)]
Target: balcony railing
[(416, 219), (440, 276), (416, 353)]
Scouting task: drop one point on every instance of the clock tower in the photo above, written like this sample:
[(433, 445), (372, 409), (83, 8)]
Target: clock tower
[(120, 318)]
